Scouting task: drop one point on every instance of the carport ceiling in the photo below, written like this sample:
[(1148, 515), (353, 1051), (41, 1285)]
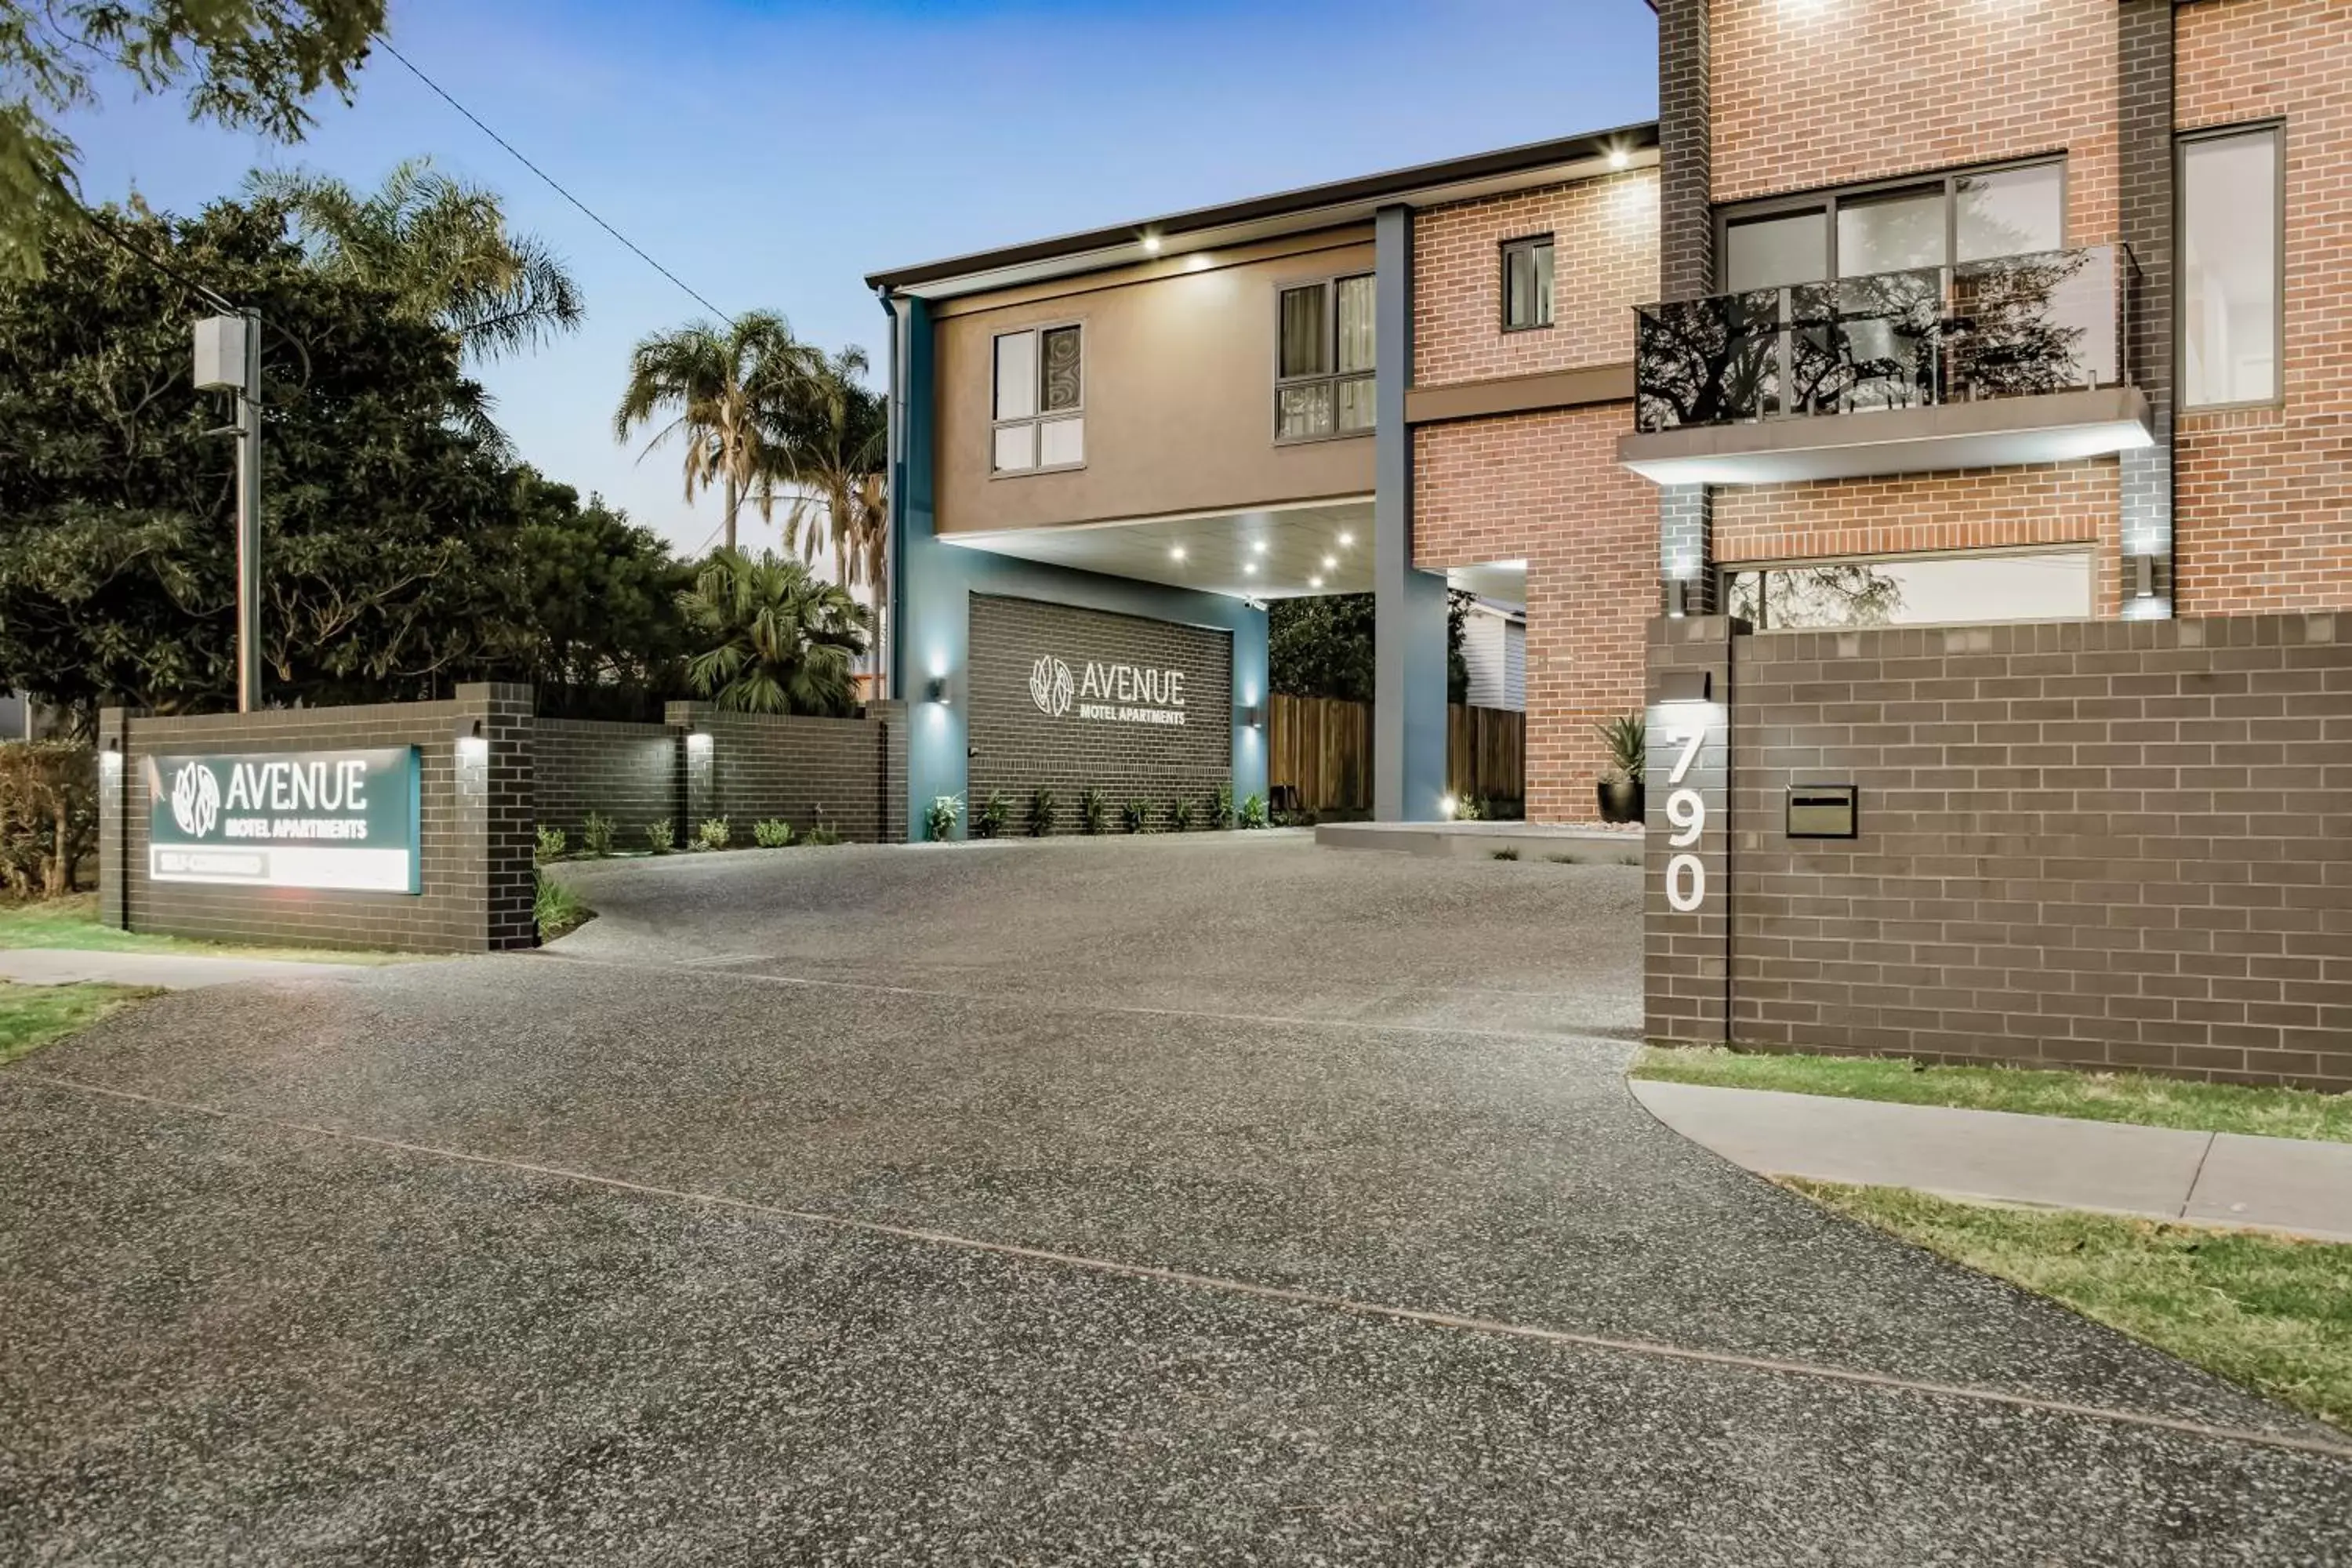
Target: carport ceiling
[(1286, 553)]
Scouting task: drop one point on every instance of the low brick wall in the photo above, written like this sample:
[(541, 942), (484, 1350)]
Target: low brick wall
[(850, 773), (2111, 843), (626, 774)]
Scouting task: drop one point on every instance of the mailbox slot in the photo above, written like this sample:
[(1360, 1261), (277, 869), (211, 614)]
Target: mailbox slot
[(1822, 811)]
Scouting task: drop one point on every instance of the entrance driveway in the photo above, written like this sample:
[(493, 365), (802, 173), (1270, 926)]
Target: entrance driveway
[(1209, 1199)]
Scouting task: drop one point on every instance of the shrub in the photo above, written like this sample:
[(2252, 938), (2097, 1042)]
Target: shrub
[(1180, 815), (823, 834), (551, 843), (1043, 811), (1469, 809), (49, 815), (1252, 812), (555, 908), (1627, 739), (1221, 806), (713, 834), (990, 820), (660, 837), (1506, 854), (940, 817), (1094, 810), (772, 833), (1135, 814), (597, 835)]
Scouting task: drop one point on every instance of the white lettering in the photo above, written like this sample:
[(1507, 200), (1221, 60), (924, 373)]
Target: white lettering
[(1685, 883)]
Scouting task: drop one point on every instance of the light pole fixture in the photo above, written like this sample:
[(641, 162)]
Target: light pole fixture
[(228, 359)]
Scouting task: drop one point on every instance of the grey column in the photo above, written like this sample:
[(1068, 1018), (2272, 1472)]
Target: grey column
[(2144, 117), (1685, 269), (115, 793), (1687, 922), (1409, 636)]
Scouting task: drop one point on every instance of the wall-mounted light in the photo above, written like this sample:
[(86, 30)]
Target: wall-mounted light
[(935, 689), (1685, 685), (2141, 570), (1678, 597), (473, 746), (1447, 806), (1151, 244), (1250, 715)]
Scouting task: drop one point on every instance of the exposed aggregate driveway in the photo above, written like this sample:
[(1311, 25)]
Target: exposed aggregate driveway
[(1209, 1199)]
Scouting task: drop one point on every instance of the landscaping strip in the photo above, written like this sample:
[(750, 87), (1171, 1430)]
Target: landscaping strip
[(32, 1016), (72, 924), (2271, 1313), (2136, 1098)]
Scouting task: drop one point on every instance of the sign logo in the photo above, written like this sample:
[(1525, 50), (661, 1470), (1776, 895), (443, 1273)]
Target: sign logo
[(1051, 686), (196, 800)]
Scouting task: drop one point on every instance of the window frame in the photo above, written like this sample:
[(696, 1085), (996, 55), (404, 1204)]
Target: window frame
[(1725, 570), (1528, 242), (2274, 127), (1041, 418), (1332, 377), (1825, 201)]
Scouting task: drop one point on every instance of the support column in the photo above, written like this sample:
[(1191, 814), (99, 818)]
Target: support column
[(114, 796), (928, 650), (1409, 606), (2144, 116), (495, 827), (1685, 270), (1686, 908)]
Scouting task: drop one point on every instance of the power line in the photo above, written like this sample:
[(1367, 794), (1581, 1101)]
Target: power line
[(544, 174), (103, 222)]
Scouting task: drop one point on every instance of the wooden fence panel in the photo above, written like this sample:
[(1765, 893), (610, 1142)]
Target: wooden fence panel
[(1321, 747)]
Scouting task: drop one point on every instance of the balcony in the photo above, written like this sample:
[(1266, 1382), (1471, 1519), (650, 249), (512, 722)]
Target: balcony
[(2019, 360)]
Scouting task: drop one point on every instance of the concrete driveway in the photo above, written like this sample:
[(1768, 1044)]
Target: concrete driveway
[(1212, 1199)]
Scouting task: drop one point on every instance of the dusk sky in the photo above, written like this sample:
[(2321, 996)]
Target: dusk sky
[(773, 154)]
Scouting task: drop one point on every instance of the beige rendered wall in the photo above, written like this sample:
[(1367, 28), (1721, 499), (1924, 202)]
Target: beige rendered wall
[(1179, 392)]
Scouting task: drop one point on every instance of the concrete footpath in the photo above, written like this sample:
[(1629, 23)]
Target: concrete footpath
[(169, 971), (2210, 1178)]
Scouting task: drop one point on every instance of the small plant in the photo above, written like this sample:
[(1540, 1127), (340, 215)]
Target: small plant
[(1043, 809), (551, 843), (939, 818), (823, 835), (713, 834), (1136, 816), (1252, 812), (1220, 805), (1627, 738), (555, 908), (661, 838), (597, 835), (1180, 815), (993, 816), (1563, 859), (1469, 808), (1506, 854), (772, 833), (1094, 810)]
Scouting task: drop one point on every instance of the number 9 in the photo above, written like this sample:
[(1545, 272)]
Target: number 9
[(1686, 811)]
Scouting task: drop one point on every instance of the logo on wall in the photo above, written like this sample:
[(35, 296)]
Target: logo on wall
[(1051, 686), (196, 800)]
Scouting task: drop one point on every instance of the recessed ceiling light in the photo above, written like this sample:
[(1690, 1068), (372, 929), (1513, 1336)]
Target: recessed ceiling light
[(1345, 540), (1617, 158), (1257, 546), (1331, 564), (1315, 581), (1150, 245), (1249, 568), (1175, 552)]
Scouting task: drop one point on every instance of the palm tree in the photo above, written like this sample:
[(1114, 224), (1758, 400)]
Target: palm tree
[(732, 394), (836, 463), (778, 638), (439, 246)]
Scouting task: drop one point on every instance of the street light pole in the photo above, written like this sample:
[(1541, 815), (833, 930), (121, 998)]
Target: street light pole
[(248, 522)]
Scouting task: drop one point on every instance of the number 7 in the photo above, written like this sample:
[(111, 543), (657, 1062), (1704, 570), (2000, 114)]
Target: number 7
[(1690, 739)]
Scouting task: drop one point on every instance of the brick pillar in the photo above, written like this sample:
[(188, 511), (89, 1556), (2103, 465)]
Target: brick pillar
[(2144, 118), (495, 825), (1687, 549), (1685, 267), (891, 720), (1686, 908), (114, 797), (698, 777)]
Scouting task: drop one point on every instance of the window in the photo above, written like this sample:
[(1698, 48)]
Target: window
[(2229, 252), (1946, 221), (1039, 396), (1920, 590), (1324, 360), (1526, 283)]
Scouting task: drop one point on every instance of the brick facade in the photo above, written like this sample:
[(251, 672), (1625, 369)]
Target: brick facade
[(2105, 844), (2263, 497), (1546, 488), (1018, 748), (847, 774), (626, 774), (1604, 262)]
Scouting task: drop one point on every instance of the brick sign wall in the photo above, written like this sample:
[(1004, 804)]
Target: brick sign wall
[(1066, 698)]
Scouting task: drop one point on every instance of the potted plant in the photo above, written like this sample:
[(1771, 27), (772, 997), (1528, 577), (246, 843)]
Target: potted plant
[(1620, 789)]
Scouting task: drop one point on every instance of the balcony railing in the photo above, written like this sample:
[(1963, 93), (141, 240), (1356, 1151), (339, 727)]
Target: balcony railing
[(2016, 327)]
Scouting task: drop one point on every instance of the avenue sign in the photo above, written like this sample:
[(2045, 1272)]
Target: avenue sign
[(1112, 693), (286, 819)]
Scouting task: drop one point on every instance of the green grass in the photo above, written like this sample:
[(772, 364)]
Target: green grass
[(2136, 1098), (73, 922), (32, 1016), (557, 908), (2265, 1311)]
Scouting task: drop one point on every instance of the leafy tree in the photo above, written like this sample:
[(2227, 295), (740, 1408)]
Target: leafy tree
[(775, 638), (1324, 646), (439, 245), (835, 460), (249, 65), (732, 395), (603, 594)]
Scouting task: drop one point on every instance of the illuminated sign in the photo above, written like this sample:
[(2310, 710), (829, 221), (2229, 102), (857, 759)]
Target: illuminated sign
[(1109, 693), (286, 819)]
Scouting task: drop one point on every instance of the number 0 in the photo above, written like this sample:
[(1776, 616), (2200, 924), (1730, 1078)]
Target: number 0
[(1685, 883)]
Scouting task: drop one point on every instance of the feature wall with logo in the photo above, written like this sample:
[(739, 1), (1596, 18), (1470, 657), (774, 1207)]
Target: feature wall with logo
[(1067, 699)]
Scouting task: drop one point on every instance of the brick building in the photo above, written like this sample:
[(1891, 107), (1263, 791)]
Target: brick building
[(1904, 313)]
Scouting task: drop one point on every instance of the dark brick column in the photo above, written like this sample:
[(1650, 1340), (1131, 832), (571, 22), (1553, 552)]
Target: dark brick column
[(892, 719), (1685, 264), (114, 795), (1686, 962), (2144, 117), (494, 801)]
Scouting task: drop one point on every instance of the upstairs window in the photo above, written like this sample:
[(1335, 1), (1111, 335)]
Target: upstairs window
[(1947, 220), (2230, 269), (1040, 400), (1324, 360), (1526, 283)]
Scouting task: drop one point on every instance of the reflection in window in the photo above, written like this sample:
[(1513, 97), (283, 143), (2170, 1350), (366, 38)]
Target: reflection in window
[(1324, 359), (1527, 284), (2009, 211), (1923, 590), (1038, 395), (2230, 269), (1765, 253)]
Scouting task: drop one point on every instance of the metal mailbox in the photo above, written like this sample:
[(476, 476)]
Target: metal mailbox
[(1821, 810)]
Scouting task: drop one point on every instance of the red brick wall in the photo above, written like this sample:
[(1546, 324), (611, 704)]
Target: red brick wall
[(1605, 262), (2262, 515), (1831, 91), (1976, 510), (1547, 488)]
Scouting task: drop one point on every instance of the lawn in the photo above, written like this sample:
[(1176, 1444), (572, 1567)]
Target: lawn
[(2271, 1313), (32, 1016), (2089, 1096), (73, 922)]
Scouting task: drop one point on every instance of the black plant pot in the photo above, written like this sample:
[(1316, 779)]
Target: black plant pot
[(1621, 800)]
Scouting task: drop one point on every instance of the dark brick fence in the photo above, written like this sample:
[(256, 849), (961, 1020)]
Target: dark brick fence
[(2111, 843), (477, 818)]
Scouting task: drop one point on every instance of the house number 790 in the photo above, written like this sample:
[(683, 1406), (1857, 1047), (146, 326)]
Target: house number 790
[(1686, 812)]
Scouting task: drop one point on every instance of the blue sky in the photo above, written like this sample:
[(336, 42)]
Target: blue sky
[(773, 154)]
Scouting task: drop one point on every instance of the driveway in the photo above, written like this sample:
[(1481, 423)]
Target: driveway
[(1209, 1199)]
